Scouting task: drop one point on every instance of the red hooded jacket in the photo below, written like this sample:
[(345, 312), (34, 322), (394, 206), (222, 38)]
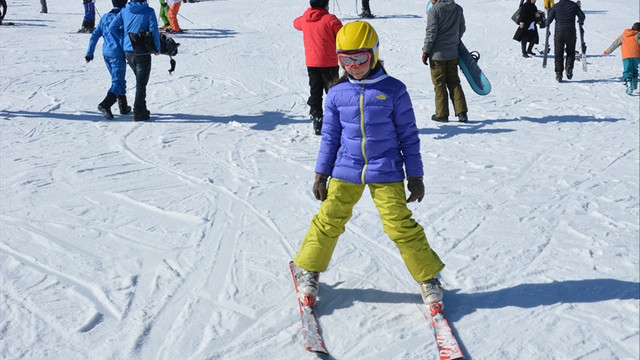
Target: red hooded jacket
[(319, 29)]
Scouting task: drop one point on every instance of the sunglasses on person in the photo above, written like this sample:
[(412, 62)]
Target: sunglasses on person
[(354, 59)]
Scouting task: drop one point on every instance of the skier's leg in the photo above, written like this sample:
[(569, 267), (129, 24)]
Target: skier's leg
[(390, 199), (571, 50), (455, 88), (558, 52), (438, 77), (318, 244), (316, 88)]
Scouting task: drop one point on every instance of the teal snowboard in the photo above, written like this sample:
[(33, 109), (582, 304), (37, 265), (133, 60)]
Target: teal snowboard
[(469, 66)]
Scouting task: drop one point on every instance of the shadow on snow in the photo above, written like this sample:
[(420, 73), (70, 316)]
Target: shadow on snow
[(265, 121), (449, 130)]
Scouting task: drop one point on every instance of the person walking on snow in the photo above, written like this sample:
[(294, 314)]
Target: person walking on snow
[(114, 59), (630, 42), (319, 29), (527, 31), (174, 8), (43, 4), (564, 12), (89, 19), (369, 139), (445, 27), (164, 9), (136, 16)]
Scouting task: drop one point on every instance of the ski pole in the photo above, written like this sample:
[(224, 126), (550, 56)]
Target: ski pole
[(185, 18)]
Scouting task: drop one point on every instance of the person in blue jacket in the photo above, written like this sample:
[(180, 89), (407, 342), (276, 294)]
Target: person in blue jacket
[(136, 16), (114, 59), (369, 139)]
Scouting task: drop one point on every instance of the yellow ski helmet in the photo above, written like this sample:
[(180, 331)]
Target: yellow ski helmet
[(358, 35)]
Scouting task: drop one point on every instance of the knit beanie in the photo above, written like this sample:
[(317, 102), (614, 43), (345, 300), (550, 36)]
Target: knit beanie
[(119, 3), (319, 3)]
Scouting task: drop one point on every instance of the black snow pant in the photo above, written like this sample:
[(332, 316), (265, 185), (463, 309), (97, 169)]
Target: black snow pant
[(319, 80), (564, 41), (141, 66)]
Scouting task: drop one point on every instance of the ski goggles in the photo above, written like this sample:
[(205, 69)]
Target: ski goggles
[(356, 59)]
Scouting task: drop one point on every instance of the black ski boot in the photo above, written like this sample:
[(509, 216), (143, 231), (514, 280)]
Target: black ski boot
[(122, 105), (105, 106), (86, 27), (317, 125)]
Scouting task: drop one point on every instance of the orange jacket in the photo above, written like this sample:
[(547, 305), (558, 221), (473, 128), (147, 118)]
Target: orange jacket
[(319, 30), (630, 42)]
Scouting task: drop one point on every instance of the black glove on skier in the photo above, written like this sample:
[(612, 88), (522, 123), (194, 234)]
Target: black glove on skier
[(88, 58), (425, 58), (320, 186), (416, 188)]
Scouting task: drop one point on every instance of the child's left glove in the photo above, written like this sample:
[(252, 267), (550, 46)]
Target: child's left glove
[(416, 188), (320, 186)]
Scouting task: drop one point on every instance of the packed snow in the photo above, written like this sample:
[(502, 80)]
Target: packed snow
[(170, 239)]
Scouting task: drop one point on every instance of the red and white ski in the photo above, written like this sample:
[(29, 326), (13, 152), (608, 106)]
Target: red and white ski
[(448, 347), (310, 329)]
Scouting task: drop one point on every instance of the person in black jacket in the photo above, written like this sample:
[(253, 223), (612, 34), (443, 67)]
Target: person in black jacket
[(528, 29), (564, 12), (3, 10)]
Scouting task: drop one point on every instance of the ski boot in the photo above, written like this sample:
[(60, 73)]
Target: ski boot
[(122, 105), (431, 290), (634, 83), (105, 106), (366, 14), (629, 83), (317, 124), (462, 117), (439, 119), (307, 286), (141, 116), (559, 77)]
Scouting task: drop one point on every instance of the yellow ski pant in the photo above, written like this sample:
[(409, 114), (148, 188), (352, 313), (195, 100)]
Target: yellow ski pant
[(390, 200)]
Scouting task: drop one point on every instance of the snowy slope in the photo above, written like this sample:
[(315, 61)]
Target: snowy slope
[(170, 239)]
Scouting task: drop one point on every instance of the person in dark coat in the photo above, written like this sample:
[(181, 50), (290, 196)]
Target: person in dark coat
[(528, 29), (43, 3), (3, 12), (565, 12)]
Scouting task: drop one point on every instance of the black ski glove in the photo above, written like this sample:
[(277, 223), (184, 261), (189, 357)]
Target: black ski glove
[(416, 188), (88, 58), (320, 186), (425, 58)]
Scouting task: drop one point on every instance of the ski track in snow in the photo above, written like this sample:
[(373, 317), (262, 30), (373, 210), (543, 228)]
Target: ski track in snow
[(170, 239)]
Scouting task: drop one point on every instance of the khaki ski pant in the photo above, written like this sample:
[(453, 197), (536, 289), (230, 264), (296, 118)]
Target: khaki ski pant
[(444, 75), (390, 199)]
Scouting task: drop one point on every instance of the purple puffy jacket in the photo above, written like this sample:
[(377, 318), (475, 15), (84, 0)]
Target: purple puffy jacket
[(369, 132)]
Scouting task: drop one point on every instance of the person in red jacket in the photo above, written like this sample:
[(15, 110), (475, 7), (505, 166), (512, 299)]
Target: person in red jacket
[(319, 29), (630, 42)]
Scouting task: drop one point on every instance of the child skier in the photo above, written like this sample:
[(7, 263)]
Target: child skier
[(113, 54), (319, 29), (369, 138), (630, 42)]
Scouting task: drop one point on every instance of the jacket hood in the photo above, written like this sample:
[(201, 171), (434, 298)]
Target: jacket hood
[(314, 14), (445, 3), (137, 7), (629, 32)]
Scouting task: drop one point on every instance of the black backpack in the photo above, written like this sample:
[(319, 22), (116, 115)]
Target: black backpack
[(143, 44)]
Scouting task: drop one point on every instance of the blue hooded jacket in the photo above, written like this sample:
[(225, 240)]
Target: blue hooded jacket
[(113, 39), (136, 16), (369, 132)]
